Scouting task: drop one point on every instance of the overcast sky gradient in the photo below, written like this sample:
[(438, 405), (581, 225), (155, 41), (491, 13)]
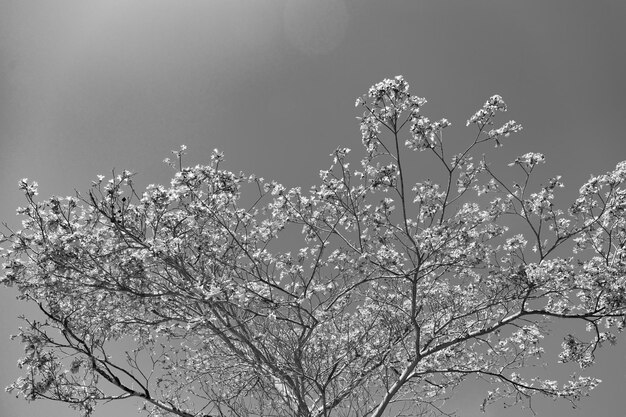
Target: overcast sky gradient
[(91, 86)]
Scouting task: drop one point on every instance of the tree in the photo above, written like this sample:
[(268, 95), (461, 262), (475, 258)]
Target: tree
[(183, 296)]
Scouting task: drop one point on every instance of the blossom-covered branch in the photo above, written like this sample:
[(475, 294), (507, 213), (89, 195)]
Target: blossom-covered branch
[(196, 299)]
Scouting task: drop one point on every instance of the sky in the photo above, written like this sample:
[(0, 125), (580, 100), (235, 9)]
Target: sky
[(87, 87)]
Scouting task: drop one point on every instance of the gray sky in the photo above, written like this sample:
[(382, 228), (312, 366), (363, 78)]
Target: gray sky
[(88, 86)]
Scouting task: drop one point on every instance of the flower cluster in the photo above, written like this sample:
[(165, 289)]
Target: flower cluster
[(485, 115), (389, 98), (529, 160), (424, 133), (504, 131)]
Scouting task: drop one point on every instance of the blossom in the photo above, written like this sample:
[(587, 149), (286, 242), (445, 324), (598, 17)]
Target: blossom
[(529, 160)]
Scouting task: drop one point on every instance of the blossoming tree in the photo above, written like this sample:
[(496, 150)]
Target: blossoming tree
[(398, 291)]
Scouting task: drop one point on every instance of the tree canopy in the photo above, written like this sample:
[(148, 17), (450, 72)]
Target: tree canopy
[(198, 298)]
